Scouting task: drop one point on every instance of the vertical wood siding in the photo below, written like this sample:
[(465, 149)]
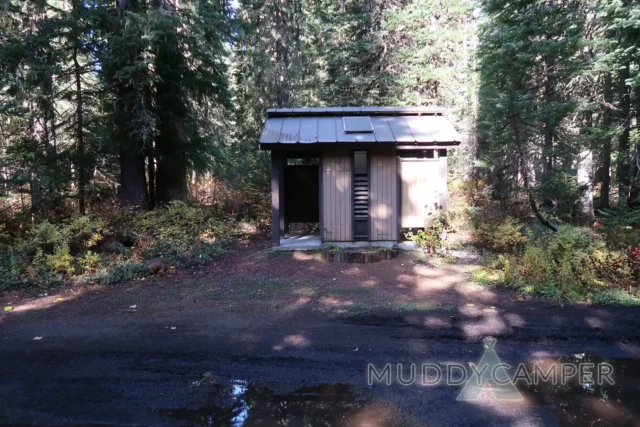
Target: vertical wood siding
[(383, 178), (336, 196), (421, 191)]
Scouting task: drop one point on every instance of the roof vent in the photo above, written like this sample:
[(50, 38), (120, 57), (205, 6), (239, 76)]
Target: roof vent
[(357, 124)]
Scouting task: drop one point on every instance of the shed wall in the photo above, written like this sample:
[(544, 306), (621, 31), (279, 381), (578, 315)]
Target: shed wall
[(421, 191), (337, 206), (383, 195)]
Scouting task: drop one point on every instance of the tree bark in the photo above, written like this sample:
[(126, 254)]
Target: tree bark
[(80, 135), (133, 183), (585, 185), (151, 171), (172, 142), (634, 194), (525, 178), (623, 140), (585, 177), (606, 144)]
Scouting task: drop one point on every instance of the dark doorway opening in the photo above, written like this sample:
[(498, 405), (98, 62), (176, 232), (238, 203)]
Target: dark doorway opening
[(302, 196)]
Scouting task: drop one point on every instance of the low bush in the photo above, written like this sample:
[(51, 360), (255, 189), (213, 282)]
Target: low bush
[(500, 235), (573, 264), (432, 239), (112, 248)]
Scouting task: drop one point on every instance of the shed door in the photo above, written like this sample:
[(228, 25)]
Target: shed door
[(384, 195), (420, 196)]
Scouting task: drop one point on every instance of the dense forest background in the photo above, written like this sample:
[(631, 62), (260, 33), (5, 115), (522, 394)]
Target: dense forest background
[(147, 100), (138, 103)]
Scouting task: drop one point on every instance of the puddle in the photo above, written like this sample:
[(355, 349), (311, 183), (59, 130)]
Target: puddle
[(245, 404), (574, 404)]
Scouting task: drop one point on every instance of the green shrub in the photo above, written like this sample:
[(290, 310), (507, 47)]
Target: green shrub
[(619, 227), (432, 239), (89, 248), (616, 297), (505, 235), (572, 264), (122, 272)]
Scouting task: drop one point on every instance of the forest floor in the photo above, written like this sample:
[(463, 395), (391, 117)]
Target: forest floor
[(231, 342)]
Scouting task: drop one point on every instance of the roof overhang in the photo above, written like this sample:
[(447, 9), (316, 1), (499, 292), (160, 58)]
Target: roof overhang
[(402, 127)]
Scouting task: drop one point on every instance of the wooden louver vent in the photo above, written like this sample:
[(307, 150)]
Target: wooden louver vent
[(361, 196)]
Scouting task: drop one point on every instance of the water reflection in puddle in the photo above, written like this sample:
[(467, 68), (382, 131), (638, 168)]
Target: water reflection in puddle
[(574, 404), (245, 404)]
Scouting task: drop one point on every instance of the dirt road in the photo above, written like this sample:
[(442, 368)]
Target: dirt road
[(264, 339)]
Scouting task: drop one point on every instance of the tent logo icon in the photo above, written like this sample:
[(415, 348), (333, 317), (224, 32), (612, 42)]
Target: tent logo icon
[(491, 374)]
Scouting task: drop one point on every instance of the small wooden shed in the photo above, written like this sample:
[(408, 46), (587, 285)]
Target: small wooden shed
[(362, 173)]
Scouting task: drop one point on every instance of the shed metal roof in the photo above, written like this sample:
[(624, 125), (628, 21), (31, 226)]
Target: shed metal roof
[(402, 126)]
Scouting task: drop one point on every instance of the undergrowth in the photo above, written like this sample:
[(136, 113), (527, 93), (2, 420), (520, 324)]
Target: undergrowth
[(114, 247)]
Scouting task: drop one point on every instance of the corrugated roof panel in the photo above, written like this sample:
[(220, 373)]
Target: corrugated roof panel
[(400, 129), (309, 130), (290, 132), (327, 129), (364, 137), (381, 129), (440, 129), (420, 128), (318, 109), (271, 130), (312, 127)]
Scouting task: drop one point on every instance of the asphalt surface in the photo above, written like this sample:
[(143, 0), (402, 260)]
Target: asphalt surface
[(137, 371)]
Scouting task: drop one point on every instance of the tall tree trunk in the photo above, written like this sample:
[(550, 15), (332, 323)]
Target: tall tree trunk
[(525, 176), (634, 194), (133, 182), (80, 135), (585, 177), (606, 144), (623, 140), (151, 169), (171, 142)]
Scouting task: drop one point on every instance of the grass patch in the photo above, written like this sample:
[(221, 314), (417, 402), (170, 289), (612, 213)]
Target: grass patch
[(355, 291), (416, 306), (124, 298), (616, 297), (400, 307), (270, 253), (210, 296), (250, 288), (487, 278)]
